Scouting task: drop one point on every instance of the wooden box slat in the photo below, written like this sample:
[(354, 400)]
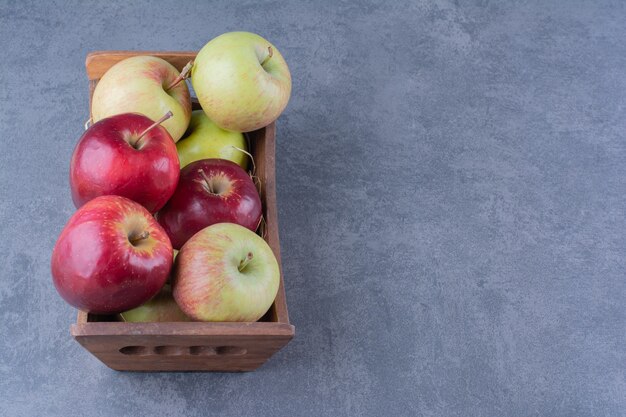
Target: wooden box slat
[(193, 346), (99, 62)]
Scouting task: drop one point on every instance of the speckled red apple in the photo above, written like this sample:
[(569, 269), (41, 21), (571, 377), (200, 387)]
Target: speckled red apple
[(127, 155), (111, 256), (210, 191)]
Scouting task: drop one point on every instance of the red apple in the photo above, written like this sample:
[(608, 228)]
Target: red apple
[(210, 191), (127, 155), (111, 256)]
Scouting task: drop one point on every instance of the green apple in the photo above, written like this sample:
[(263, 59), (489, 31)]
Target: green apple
[(242, 81), (225, 272), (161, 307), (147, 85), (205, 140)]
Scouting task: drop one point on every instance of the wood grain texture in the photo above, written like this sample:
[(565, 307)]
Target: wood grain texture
[(182, 346), (264, 153), (193, 346)]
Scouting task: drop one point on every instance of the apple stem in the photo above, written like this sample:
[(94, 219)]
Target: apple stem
[(183, 75), (262, 227), (245, 262), (153, 125), (249, 154), (136, 238), (269, 55), (207, 182), (257, 182)]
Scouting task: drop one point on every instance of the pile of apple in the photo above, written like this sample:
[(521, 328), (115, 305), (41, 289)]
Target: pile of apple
[(150, 178)]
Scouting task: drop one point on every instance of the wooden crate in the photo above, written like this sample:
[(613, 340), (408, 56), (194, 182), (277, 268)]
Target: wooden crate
[(193, 346)]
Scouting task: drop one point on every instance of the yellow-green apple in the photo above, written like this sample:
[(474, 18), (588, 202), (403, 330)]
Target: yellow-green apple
[(127, 155), (111, 256), (146, 85), (210, 191), (242, 81), (225, 272), (161, 307), (204, 139)]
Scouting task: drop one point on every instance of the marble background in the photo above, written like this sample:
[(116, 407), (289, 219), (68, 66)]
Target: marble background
[(451, 185)]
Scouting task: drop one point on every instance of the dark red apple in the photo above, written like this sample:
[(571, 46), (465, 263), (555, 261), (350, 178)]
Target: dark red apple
[(111, 256), (127, 155), (210, 191)]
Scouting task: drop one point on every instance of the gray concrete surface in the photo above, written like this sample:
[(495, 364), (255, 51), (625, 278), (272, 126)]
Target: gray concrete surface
[(451, 182)]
